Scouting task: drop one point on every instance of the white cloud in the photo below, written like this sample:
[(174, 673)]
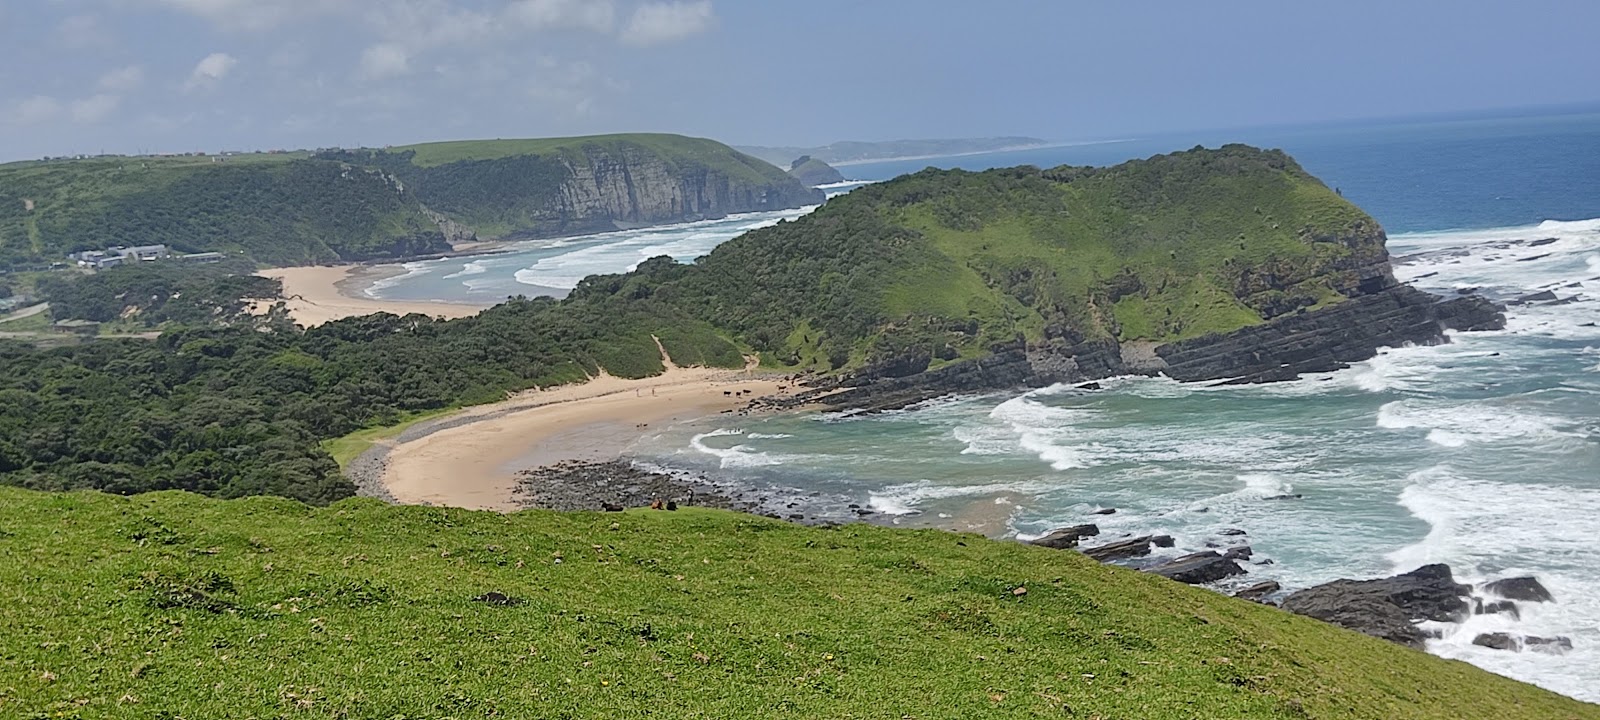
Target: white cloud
[(596, 15), (254, 15), (123, 79), (211, 70), (655, 23), (80, 32), (94, 108), (34, 110), (384, 61)]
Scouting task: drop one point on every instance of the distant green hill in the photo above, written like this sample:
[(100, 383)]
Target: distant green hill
[(533, 188), (861, 151), (278, 209), (366, 204), (814, 172), (1172, 247)]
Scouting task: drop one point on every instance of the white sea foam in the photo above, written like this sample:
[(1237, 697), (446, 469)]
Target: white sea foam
[(768, 436), (471, 268), (741, 456), (412, 270), (1548, 532), (1455, 424), (906, 498)]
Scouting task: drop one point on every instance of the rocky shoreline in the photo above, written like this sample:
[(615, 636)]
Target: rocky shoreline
[(1406, 609), (1304, 341)]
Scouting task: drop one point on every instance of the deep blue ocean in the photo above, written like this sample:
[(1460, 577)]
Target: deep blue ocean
[(1483, 453)]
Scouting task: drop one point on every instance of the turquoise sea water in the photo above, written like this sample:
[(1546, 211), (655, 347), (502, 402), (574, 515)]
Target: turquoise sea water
[(1483, 453)]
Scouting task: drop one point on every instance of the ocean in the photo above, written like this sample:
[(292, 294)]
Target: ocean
[(1483, 453)]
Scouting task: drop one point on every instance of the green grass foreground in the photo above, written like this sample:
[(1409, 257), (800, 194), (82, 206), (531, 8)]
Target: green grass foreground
[(172, 605)]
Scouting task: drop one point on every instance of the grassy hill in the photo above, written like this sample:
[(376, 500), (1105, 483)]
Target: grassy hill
[(278, 209), (170, 605), (580, 184), (297, 208), (1167, 248)]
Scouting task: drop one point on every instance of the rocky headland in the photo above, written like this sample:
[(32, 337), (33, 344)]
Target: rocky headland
[(814, 172)]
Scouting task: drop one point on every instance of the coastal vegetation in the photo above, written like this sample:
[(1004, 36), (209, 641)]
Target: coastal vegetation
[(171, 605), (153, 295), (944, 263), (277, 209), (351, 205)]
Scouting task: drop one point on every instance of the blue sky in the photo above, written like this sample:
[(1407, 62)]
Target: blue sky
[(84, 76)]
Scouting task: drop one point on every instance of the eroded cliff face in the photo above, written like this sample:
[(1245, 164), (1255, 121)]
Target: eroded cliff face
[(636, 188)]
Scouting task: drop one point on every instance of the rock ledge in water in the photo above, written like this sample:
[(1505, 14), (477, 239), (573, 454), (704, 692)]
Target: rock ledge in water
[(1388, 608)]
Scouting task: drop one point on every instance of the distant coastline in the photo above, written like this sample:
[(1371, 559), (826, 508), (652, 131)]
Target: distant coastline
[(1010, 148)]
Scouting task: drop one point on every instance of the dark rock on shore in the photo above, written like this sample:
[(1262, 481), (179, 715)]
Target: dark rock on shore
[(1104, 511), (1197, 568), (1067, 537), (1496, 607), (614, 486), (1553, 645), (1520, 588), (1307, 341), (1163, 541), (1497, 641), (1513, 643), (1243, 552), (1259, 591), (1328, 339), (1387, 608), (1232, 532), (1120, 550)]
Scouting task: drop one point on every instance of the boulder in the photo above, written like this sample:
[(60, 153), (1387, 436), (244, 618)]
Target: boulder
[(1232, 532), (1387, 608), (1553, 645), (1520, 588), (1197, 569), (1163, 541), (1104, 511), (1120, 550), (1497, 641), (1243, 552), (1496, 607), (1259, 591), (1067, 537)]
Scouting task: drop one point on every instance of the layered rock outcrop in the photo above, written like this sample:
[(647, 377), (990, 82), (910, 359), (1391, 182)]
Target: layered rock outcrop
[(632, 187), (1284, 348)]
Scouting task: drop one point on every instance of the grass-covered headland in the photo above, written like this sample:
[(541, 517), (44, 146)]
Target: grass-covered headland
[(171, 605)]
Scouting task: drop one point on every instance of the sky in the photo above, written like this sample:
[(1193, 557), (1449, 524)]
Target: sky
[(130, 76)]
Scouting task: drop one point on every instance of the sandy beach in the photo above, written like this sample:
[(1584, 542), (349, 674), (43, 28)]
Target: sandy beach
[(321, 294), (471, 459)]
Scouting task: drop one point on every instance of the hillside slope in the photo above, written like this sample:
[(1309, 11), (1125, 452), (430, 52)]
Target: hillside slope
[(814, 172), (563, 186), (361, 205), (170, 605), (955, 262), (276, 209), (1197, 263)]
